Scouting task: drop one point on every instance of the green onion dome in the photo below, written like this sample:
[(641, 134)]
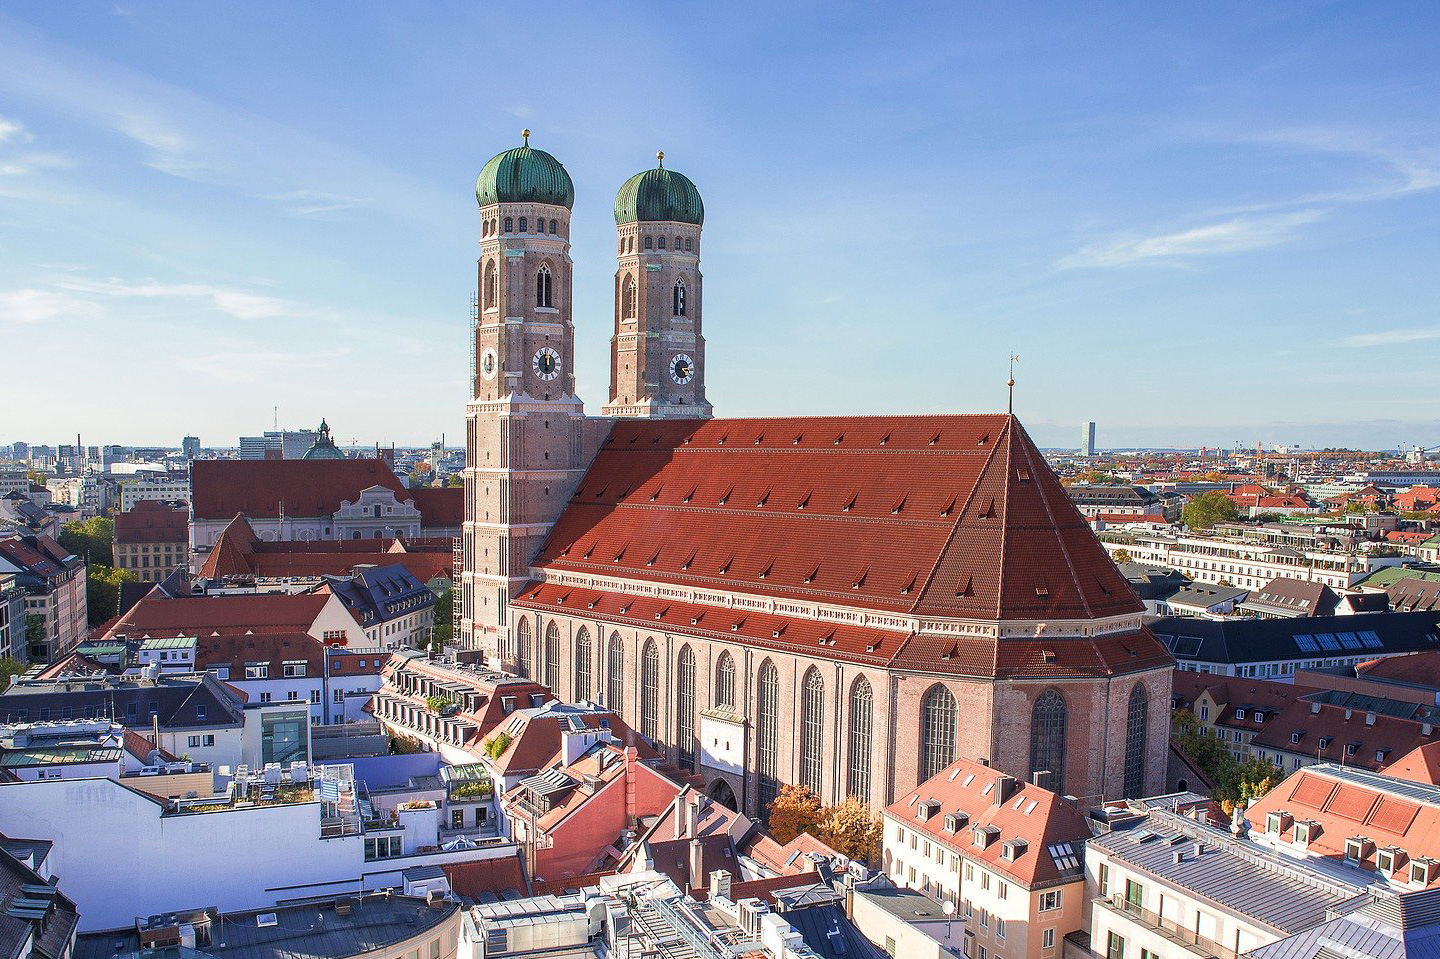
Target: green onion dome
[(657, 195), (525, 175)]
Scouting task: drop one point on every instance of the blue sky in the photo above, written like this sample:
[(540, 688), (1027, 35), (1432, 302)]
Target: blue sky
[(1196, 223)]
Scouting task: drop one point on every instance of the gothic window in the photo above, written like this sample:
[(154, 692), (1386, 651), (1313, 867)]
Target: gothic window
[(1047, 739), (582, 665), (490, 285), (524, 225), (767, 759), (630, 244), (687, 246), (522, 648), (812, 730), (542, 287), (862, 719), (552, 227), (649, 243), (509, 225), (725, 682), (627, 299), (552, 657), (662, 243), (937, 731), (615, 692), (650, 691), (685, 708), (1135, 736), (679, 298), (676, 247)]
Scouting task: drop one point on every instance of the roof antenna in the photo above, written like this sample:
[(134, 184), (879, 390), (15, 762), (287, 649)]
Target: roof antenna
[(1010, 384)]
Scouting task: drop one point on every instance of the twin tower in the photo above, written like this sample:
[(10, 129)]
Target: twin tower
[(528, 439)]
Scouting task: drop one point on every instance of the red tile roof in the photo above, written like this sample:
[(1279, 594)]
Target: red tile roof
[(1409, 595), (1419, 765), (151, 522), (274, 649), (480, 876), (199, 616), (1420, 669), (440, 506), (261, 488), (1038, 816), (239, 552), (936, 515), (1376, 737)]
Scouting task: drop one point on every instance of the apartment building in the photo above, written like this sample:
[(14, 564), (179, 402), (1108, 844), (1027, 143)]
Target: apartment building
[(1233, 561), (152, 541), (1233, 710), (54, 584), (396, 610), (154, 488), (1006, 854)]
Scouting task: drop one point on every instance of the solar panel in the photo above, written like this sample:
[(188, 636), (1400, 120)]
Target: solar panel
[(1327, 642), (1348, 640), (1370, 639), (1306, 642), (1187, 646)]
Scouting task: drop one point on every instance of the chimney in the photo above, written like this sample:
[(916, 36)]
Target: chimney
[(631, 755), (720, 884), (697, 864), (682, 814), (1369, 719), (1041, 778), (1004, 788)]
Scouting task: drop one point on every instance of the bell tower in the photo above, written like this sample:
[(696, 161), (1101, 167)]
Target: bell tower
[(657, 354), (527, 440)]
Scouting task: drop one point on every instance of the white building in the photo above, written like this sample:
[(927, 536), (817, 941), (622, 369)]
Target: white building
[(155, 487), (1248, 565)]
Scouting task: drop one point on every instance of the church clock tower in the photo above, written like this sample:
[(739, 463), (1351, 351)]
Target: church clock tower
[(657, 356), (527, 439)]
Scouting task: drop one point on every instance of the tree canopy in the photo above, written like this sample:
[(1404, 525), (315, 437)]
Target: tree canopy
[(102, 591), (1207, 509), (1234, 780), (92, 539), (796, 809)]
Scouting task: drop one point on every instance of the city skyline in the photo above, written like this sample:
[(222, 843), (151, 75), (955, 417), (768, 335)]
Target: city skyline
[(1188, 204)]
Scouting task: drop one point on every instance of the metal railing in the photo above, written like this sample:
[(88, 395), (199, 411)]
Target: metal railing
[(1168, 928)]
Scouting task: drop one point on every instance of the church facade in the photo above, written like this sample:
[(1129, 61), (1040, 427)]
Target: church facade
[(851, 603)]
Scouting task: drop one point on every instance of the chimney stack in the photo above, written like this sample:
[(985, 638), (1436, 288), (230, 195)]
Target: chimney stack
[(720, 884), (1004, 788), (697, 864)]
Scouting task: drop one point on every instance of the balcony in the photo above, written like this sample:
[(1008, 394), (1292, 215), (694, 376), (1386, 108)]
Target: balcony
[(1168, 928)]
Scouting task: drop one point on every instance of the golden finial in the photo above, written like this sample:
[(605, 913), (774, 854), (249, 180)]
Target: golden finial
[(660, 158), (526, 134), (1010, 383)]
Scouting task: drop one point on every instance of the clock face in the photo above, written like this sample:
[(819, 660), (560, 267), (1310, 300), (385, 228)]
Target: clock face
[(682, 369), (488, 363), (546, 363)]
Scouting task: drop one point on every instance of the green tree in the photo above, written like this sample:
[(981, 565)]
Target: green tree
[(1234, 781), (1210, 508), (10, 668), (35, 633), (102, 591), (443, 633), (796, 809), (92, 539), (455, 479)]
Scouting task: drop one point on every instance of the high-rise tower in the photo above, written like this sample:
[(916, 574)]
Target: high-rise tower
[(657, 358), (527, 441)]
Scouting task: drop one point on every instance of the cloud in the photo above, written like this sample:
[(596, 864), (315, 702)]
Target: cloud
[(12, 131), (29, 306), (240, 304), (315, 202), (30, 162), (248, 366), (1389, 338), (1237, 235)]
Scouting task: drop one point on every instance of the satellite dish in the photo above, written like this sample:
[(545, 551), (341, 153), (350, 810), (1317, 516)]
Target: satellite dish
[(948, 908)]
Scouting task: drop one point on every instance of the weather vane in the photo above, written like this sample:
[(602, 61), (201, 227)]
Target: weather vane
[(1010, 383)]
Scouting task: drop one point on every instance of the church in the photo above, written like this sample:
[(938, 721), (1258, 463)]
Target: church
[(847, 602)]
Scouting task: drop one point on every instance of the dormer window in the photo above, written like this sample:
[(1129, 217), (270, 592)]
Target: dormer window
[(928, 808), (985, 835), (1389, 860), (1422, 871), (1277, 822), (1012, 849), (1325, 742), (956, 821), (1350, 748), (1296, 736), (1306, 832), (1239, 714), (1356, 849)]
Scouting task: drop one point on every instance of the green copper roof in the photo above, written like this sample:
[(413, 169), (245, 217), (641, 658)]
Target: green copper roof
[(525, 175), (659, 194), (324, 447)]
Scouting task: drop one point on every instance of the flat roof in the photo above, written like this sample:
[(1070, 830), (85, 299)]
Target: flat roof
[(908, 905)]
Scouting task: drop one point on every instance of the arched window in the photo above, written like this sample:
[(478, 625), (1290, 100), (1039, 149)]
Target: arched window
[(661, 242), (490, 285), (542, 287), (524, 225), (615, 680), (678, 296), (685, 708), (650, 691), (523, 663), (509, 225), (725, 682), (687, 246), (583, 678), (937, 731), (812, 730), (862, 721), (767, 759), (1047, 740), (1135, 740), (649, 243), (552, 227), (552, 657), (630, 245), (627, 298), (676, 247)]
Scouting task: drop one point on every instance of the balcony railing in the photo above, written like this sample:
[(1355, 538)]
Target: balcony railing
[(1168, 928)]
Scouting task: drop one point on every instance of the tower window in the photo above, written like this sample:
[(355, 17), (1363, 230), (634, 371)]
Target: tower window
[(687, 246), (662, 243), (649, 244), (552, 227), (679, 298), (510, 225), (627, 299), (490, 285), (524, 225), (542, 288), (676, 247)]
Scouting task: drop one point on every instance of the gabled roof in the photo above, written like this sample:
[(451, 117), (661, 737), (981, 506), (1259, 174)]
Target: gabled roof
[(1287, 596), (1414, 594), (263, 488), (151, 522), (201, 615), (440, 506), (955, 516), (19, 882)]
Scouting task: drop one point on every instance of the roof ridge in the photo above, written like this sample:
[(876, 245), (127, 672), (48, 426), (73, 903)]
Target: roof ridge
[(1059, 540)]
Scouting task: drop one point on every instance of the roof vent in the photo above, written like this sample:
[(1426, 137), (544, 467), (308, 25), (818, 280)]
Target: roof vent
[(1314, 709)]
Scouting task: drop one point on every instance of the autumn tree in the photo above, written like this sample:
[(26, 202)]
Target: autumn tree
[(796, 809), (851, 830), (1122, 556)]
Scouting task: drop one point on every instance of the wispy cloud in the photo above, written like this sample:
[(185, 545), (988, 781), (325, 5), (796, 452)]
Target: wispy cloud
[(316, 203), (240, 366), (240, 304), (24, 163), (1389, 338), (29, 307), (1237, 235), (12, 131)]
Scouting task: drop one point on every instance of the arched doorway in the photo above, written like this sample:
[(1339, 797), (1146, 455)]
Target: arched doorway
[(721, 792)]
